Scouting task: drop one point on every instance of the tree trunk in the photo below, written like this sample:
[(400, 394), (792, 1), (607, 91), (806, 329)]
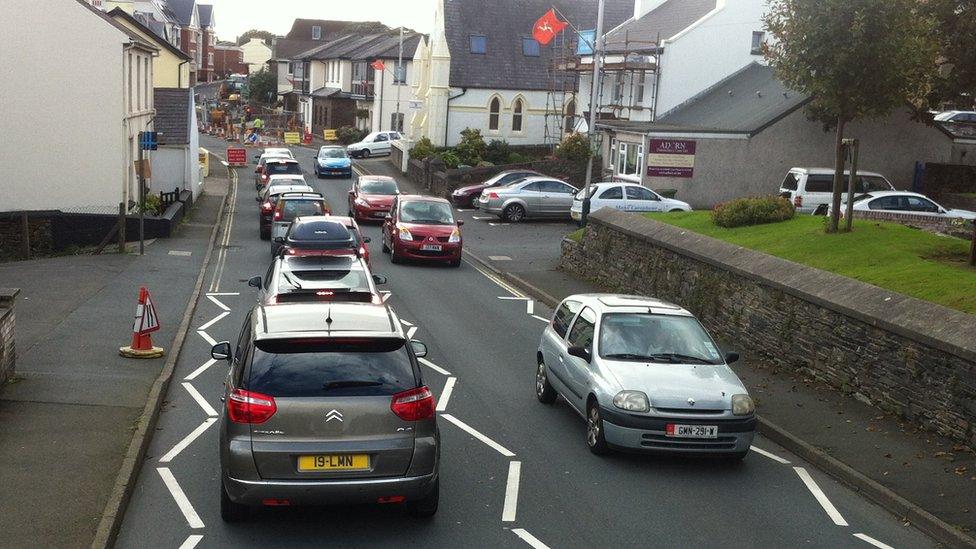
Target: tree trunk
[(838, 176)]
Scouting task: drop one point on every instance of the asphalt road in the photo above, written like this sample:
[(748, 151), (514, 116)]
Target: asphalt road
[(514, 472)]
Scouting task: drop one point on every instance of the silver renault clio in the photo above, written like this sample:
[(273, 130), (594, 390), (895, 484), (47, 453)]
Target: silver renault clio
[(645, 375), (325, 404)]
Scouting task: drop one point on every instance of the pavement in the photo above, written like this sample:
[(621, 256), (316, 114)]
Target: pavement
[(67, 419), (514, 472)]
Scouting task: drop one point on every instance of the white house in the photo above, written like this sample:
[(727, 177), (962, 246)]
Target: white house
[(256, 54), (76, 125), (176, 164)]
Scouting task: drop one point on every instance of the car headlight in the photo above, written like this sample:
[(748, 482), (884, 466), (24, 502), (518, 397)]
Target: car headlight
[(742, 405), (360, 201), (632, 401), (455, 236), (405, 234)]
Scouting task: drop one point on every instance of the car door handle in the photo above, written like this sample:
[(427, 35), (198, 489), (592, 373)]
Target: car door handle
[(560, 359)]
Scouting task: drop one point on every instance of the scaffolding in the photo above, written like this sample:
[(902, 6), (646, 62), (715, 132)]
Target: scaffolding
[(563, 86)]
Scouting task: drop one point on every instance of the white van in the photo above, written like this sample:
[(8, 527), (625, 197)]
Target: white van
[(808, 188)]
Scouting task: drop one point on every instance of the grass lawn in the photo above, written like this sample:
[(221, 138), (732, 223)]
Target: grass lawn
[(895, 257)]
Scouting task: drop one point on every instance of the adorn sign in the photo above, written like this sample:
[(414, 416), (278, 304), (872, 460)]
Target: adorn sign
[(671, 158)]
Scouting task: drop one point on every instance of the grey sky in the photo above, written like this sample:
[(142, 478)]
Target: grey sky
[(232, 17)]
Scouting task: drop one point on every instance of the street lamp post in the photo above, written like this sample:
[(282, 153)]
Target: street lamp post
[(397, 82), (594, 96)]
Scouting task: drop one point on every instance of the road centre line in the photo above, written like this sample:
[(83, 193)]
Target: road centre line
[(482, 217), (500, 283), (773, 457), (207, 337), (433, 366), (200, 370), (872, 541), (446, 394), (191, 541), (471, 431), (530, 307), (511, 491), (214, 320), (529, 538), (821, 497), (546, 320), (218, 303), (207, 408), (187, 440), (497, 224), (180, 497), (223, 293)]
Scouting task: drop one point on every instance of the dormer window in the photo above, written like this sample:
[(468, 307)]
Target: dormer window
[(479, 43), (316, 32)]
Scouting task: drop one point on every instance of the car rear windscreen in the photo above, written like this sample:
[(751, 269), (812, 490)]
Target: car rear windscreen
[(331, 367), (329, 231), (287, 168), (297, 208)]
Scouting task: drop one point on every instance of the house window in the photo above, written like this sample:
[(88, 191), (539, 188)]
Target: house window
[(494, 108), (479, 44), (638, 98), (757, 40), (530, 47), (316, 32), (517, 116), (145, 63), (400, 74), (138, 85), (210, 59), (630, 159), (193, 37), (618, 87), (129, 78), (613, 153), (396, 121)]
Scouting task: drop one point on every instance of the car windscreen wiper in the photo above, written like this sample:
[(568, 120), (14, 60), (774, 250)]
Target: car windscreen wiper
[(677, 357), (629, 356), (350, 383), (290, 281)]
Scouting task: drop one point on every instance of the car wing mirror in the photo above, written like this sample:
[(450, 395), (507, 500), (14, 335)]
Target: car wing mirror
[(257, 199), (387, 217), (221, 351), (379, 279), (254, 282), (419, 348), (279, 240), (579, 352), (460, 222), (367, 240), (731, 357), (257, 157), (352, 192)]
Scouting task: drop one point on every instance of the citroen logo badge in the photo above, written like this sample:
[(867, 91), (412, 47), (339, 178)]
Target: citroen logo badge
[(333, 414), (691, 401)]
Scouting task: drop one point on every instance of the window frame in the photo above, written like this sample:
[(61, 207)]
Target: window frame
[(518, 114), (756, 48), (566, 305), (494, 114), (534, 49), (482, 40), (618, 188), (316, 32), (582, 316)]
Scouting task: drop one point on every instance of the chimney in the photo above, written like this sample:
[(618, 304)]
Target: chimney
[(643, 7)]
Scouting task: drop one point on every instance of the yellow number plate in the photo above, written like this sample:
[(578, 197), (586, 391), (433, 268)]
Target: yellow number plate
[(339, 462)]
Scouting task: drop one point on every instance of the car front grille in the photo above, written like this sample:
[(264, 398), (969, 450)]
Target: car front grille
[(652, 440), (690, 411)]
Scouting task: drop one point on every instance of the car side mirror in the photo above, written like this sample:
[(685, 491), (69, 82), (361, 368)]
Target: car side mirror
[(352, 192), (387, 217), (279, 240), (257, 157), (419, 348), (221, 351), (460, 222), (367, 240), (379, 279), (731, 357), (257, 199), (579, 352), (254, 282)]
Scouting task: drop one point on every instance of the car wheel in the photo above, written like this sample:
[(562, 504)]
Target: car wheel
[(675, 210), (594, 429), (456, 262), (230, 511), (474, 202), (265, 234), (384, 248), (543, 389), (427, 506), (364, 154), (394, 258), (514, 213), (738, 455), (318, 174)]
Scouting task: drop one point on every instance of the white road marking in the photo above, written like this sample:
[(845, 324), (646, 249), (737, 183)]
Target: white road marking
[(386, 294), (405, 323), (218, 272), (446, 394), (200, 370), (464, 209), (497, 224), (207, 408), (499, 258), (433, 366), (191, 541), (872, 541), (223, 293), (529, 538), (224, 162), (180, 253), (546, 320), (471, 431), (218, 303), (773, 457), (821, 497), (530, 307), (181, 445), (181, 501), (206, 337), (482, 217), (520, 298), (410, 331), (214, 320), (511, 491)]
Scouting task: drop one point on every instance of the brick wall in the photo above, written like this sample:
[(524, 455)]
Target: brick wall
[(960, 228), (902, 355), (7, 350)]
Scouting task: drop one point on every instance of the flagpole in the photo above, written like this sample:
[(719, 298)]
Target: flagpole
[(594, 88)]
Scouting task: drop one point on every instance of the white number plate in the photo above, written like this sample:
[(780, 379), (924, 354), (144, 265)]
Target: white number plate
[(430, 247), (692, 431)]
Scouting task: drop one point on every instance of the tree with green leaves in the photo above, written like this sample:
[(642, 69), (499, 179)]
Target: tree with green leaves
[(855, 59), (955, 32), (255, 33), (263, 87)]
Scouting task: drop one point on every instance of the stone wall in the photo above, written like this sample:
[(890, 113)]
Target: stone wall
[(7, 350), (12, 236), (960, 228), (905, 356)]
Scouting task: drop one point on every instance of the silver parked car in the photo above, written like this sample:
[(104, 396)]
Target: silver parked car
[(645, 375), (530, 197), (325, 404)]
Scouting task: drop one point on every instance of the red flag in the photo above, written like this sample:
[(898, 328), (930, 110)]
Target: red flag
[(378, 65), (547, 27)]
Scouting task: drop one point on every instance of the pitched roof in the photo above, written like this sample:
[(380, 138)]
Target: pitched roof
[(206, 15), (135, 38), (183, 10), (301, 29), (663, 22), (389, 47), (158, 40), (289, 48), (172, 115), (505, 24), (344, 47)]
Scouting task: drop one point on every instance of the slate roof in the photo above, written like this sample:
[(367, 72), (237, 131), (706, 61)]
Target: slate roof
[(206, 15), (183, 10), (389, 48), (344, 47), (746, 102), (288, 48), (664, 21), (127, 31), (505, 23), (160, 40), (172, 115), (301, 29)]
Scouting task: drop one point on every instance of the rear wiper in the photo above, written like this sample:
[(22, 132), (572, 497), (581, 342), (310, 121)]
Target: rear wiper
[(350, 383), (290, 281), (677, 357)]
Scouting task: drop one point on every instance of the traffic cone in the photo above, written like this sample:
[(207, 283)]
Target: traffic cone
[(146, 322)]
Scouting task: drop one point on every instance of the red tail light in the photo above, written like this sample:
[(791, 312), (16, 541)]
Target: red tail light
[(391, 499), (264, 177), (413, 405), (277, 214), (492, 195), (797, 201), (249, 407), (266, 206)]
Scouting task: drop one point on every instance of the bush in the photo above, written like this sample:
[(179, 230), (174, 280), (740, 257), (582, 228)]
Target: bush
[(423, 149), (450, 159), (472, 147), (498, 151), (153, 204), (348, 135), (752, 211), (574, 147), (516, 158)]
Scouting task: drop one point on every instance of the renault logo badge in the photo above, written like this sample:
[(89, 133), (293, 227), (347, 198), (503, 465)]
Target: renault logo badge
[(691, 402), (333, 414)]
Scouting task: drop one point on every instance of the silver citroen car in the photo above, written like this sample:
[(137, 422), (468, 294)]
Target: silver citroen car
[(325, 404), (645, 375)]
